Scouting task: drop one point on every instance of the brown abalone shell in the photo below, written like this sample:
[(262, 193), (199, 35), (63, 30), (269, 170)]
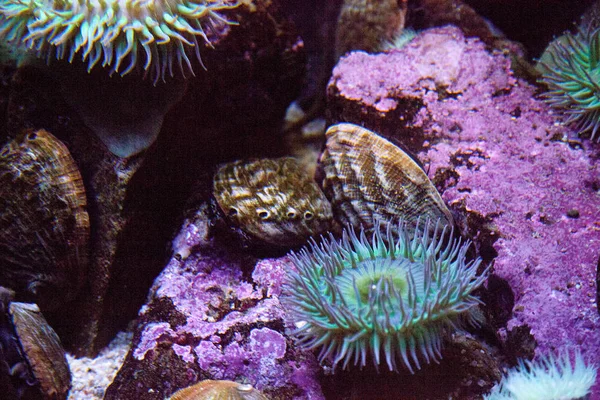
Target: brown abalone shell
[(42, 349), (44, 225), (272, 200), (369, 179), (219, 390)]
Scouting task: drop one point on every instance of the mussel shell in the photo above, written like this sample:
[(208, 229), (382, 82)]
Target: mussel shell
[(369, 179), (218, 390), (272, 200), (44, 225), (42, 350)]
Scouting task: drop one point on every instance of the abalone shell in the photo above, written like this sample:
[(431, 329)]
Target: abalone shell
[(369, 179), (43, 350), (44, 224), (219, 390), (272, 200)]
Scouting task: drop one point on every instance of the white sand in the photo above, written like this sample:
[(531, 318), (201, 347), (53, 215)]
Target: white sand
[(91, 376)]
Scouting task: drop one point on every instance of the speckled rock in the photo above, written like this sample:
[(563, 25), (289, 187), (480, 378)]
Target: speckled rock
[(210, 318), (504, 164)]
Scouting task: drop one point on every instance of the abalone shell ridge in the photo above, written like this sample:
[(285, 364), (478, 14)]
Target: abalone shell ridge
[(272, 200)]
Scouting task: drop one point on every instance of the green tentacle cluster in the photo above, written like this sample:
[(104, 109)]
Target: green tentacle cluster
[(570, 67), (119, 34), (388, 298)]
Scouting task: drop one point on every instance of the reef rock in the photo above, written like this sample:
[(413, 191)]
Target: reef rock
[(522, 188), (208, 318)]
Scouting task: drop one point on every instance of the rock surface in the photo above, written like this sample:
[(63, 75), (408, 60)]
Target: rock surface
[(217, 315), (210, 317), (527, 192)]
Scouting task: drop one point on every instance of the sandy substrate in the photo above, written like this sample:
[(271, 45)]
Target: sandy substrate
[(91, 376)]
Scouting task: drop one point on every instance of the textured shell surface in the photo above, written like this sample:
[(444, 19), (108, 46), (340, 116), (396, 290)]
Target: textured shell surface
[(219, 390), (44, 224), (369, 179), (273, 200), (43, 350)]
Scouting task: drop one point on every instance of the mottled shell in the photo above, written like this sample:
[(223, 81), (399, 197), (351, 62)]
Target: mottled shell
[(367, 178), (219, 390), (44, 225), (273, 200), (43, 350), (368, 24)]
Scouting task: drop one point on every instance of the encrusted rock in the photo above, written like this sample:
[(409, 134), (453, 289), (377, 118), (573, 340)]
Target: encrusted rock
[(206, 320)]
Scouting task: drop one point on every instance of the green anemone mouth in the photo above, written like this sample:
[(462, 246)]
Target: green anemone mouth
[(383, 282)]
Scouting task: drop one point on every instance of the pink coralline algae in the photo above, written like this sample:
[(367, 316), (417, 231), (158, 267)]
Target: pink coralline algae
[(258, 358), (530, 193), (234, 326)]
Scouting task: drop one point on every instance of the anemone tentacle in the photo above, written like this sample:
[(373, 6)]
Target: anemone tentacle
[(121, 34), (392, 295), (570, 68), (551, 377)]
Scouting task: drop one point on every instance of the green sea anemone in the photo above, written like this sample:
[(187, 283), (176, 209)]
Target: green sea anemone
[(116, 32), (550, 378), (570, 67), (393, 295)]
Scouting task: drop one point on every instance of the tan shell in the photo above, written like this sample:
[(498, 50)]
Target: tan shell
[(43, 350), (44, 225), (272, 200), (369, 179), (218, 390)]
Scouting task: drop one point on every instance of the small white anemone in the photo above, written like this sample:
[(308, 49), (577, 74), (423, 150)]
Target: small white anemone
[(550, 378)]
